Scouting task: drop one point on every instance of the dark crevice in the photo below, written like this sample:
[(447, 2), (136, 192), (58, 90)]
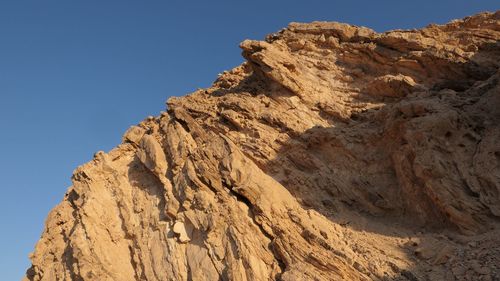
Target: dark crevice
[(251, 214), (135, 266)]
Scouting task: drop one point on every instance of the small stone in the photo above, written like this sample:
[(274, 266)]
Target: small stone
[(443, 255), (472, 244), (478, 268), (458, 270), (180, 230)]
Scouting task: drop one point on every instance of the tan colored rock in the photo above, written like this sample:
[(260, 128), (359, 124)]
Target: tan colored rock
[(391, 86), (180, 230), (152, 155), (133, 134), (332, 153)]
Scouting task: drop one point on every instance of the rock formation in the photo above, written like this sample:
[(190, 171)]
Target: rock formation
[(333, 153)]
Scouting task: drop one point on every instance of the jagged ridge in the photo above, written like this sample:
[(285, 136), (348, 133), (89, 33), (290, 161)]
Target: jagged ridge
[(333, 153)]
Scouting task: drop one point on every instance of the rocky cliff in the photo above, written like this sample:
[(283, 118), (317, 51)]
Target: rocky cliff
[(333, 153)]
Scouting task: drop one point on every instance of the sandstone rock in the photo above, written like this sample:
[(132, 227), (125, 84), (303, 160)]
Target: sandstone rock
[(180, 230), (152, 156), (133, 134), (333, 153), (391, 86)]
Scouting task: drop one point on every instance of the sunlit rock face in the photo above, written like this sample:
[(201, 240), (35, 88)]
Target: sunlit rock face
[(333, 153)]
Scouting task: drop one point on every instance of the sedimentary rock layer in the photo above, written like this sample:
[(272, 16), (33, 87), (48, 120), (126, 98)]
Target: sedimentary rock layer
[(333, 153)]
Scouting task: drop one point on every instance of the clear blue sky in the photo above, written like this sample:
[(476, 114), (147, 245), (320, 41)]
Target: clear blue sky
[(74, 75)]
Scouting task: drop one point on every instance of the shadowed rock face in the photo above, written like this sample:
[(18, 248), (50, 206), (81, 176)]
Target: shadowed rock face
[(333, 153)]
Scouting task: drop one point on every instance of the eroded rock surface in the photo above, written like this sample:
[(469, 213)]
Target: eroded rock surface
[(333, 153)]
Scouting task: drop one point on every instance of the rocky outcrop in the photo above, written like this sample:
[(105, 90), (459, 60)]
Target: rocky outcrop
[(333, 153)]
